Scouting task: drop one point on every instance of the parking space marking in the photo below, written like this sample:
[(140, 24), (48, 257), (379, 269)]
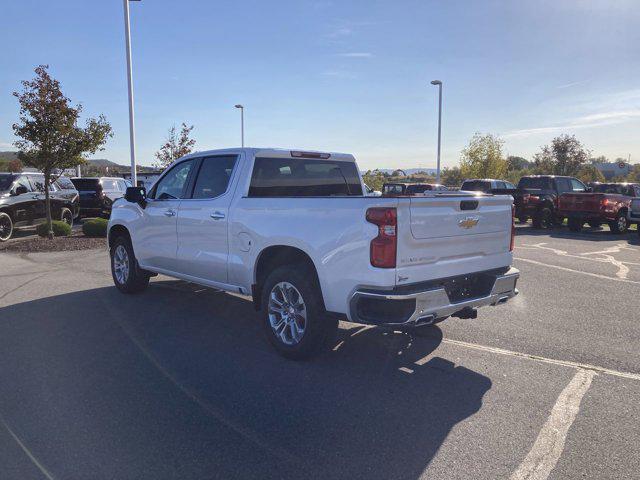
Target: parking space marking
[(537, 358), (27, 452), (607, 257), (548, 447), (565, 269)]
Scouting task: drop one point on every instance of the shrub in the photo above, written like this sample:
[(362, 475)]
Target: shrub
[(95, 227), (59, 228)]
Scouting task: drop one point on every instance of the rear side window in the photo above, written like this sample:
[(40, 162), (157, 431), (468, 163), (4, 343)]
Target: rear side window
[(213, 177), (413, 189), (87, 184), (38, 183), (300, 177), (110, 185)]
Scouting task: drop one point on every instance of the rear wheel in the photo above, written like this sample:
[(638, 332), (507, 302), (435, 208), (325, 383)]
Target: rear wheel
[(543, 219), (523, 219), (67, 217), (575, 224), (6, 227), (293, 314), (595, 224), (620, 224), (127, 275)]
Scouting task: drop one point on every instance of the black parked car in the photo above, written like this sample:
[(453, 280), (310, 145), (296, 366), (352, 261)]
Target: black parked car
[(97, 194), (537, 198), (22, 202)]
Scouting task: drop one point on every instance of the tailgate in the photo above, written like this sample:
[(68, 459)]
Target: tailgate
[(580, 202), (447, 235)]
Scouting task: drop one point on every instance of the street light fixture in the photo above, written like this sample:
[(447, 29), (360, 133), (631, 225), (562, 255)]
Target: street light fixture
[(439, 84), (241, 107), (132, 135)]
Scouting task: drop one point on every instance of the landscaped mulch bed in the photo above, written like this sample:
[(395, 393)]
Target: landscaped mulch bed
[(77, 241)]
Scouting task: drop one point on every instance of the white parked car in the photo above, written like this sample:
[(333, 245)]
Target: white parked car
[(296, 231)]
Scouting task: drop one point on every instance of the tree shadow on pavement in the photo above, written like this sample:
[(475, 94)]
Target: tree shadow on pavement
[(178, 382)]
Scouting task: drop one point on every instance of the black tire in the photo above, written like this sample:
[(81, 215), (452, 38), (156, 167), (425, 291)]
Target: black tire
[(575, 224), (318, 328), (620, 224), (595, 224), (67, 216), (6, 227), (523, 219), (543, 218), (134, 280)]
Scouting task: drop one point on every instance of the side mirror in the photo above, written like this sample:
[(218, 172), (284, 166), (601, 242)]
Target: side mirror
[(136, 195), (21, 190)]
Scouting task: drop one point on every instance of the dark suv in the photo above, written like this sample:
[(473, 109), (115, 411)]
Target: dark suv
[(22, 202), (97, 194), (537, 198)]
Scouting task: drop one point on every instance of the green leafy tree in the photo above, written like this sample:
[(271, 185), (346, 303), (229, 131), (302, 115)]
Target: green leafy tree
[(374, 179), (589, 173), (565, 156), (482, 158), (452, 176), (177, 145), (49, 136), (517, 163)]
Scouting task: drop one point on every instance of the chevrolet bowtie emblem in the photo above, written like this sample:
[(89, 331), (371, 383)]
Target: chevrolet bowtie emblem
[(468, 222)]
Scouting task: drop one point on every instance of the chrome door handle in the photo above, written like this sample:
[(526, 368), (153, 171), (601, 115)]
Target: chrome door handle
[(35, 197), (169, 213), (217, 215)]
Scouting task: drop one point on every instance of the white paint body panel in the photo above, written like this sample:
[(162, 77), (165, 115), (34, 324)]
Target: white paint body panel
[(332, 231)]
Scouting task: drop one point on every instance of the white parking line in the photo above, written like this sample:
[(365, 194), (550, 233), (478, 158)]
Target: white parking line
[(546, 451), (27, 452), (565, 269)]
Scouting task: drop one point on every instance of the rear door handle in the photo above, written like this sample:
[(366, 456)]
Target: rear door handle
[(170, 213), (217, 215), (35, 197)]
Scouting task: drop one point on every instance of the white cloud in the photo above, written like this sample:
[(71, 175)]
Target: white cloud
[(355, 55), (338, 74), (586, 121), (6, 145), (572, 84)]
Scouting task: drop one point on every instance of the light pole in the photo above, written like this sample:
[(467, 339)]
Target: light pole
[(132, 135), (241, 123), (439, 84)]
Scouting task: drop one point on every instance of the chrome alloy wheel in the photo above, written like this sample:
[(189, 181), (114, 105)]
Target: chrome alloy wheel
[(6, 227), (121, 264), (287, 313), (622, 223)]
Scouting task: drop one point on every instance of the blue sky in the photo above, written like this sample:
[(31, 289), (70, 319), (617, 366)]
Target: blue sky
[(340, 75)]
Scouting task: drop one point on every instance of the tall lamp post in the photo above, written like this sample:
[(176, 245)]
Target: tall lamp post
[(241, 123), (132, 135), (439, 84)]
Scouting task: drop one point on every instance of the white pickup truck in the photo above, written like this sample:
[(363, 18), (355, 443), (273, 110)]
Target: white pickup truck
[(296, 231), (634, 212)]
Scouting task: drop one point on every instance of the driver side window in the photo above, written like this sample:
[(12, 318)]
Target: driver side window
[(173, 184)]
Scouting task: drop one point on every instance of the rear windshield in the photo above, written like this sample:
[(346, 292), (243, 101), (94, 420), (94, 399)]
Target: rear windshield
[(413, 189), (612, 188), (300, 177), (6, 181), (534, 183), (476, 186), (87, 184)]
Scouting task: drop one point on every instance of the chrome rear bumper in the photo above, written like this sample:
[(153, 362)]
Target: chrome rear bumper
[(429, 305)]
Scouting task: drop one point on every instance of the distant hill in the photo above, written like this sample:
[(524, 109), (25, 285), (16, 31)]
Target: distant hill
[(8, 156), (103, 162)]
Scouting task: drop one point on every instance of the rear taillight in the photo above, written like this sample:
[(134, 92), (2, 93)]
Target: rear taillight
[(513, 228), (604, 202), (384, 246), (534, 198)]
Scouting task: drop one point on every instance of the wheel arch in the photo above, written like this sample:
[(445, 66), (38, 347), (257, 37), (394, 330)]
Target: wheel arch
[(276, 256), (116, 231)]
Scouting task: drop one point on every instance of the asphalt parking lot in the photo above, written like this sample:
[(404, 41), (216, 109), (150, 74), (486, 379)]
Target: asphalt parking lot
[(178, 382)]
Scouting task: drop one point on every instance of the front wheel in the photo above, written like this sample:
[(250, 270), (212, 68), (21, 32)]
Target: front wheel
[(293, 314), (620, 224), (6, 227), (127, 276), (543, 219)]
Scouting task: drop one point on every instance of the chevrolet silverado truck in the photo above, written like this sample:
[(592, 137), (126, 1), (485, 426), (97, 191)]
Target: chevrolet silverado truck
[(537, 198), (604, 203), (295, 231)]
